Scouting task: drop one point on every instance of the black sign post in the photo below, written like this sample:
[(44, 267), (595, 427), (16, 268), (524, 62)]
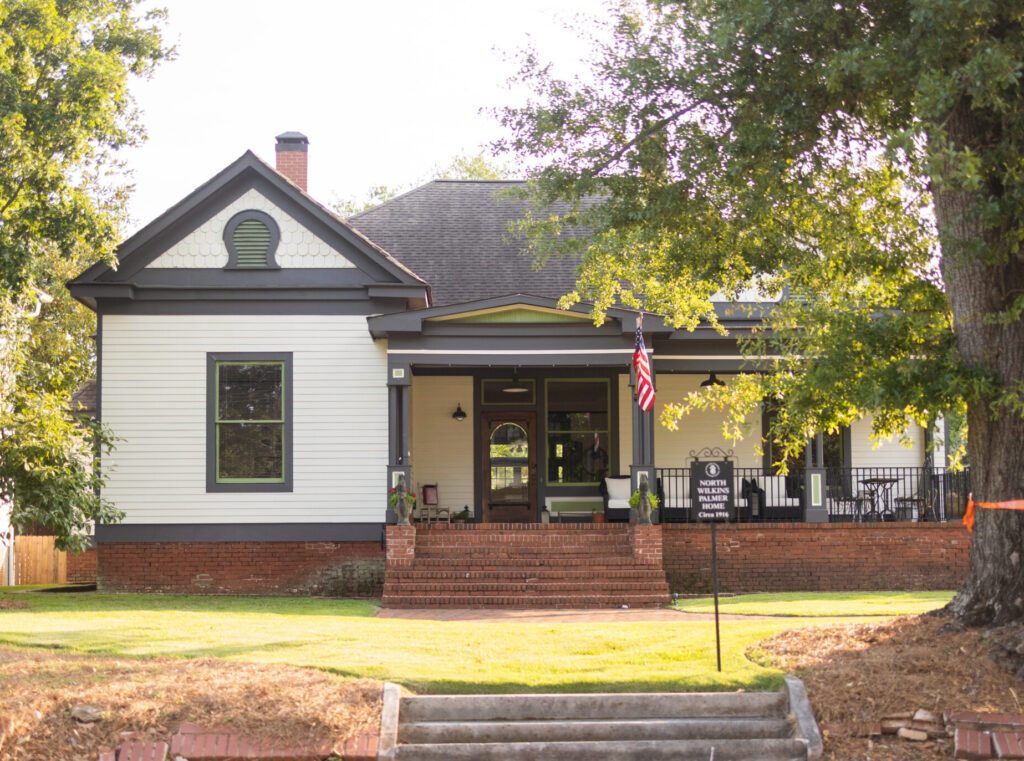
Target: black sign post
[(711, 491)]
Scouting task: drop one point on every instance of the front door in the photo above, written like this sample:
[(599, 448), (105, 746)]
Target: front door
[(509, 467)]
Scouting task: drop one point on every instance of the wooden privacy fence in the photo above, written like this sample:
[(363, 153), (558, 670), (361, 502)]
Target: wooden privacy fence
[(36, 561)]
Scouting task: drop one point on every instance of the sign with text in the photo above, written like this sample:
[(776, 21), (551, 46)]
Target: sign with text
[(711, 490)]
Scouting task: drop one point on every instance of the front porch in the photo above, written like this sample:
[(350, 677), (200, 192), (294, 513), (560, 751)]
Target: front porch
[(511, 411)]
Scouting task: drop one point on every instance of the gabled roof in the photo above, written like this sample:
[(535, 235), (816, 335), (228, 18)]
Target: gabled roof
[(413, 321), (454, 234), (248, 171)]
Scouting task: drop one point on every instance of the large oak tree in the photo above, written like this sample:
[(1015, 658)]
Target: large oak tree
[(861, 162)]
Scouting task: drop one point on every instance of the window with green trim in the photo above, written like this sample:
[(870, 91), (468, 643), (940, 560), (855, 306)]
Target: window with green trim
[(249, 436), (577, 430)]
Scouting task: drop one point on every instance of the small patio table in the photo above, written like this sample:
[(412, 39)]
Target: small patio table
[(879, 492)]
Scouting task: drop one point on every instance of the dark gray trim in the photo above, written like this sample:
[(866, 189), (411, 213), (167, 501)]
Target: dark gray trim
[(398, 425), (283, 306), (291, 142), (229, 238), (413, 320), (643, 426), (212, 358), (291, 277), (698, 366), (239, 532), (574, 344), (525, 359)]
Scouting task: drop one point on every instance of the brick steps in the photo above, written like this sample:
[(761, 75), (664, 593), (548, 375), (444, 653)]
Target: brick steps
[(552, 560), (446, 600), (504, 586), (513, 572), (531, 566)]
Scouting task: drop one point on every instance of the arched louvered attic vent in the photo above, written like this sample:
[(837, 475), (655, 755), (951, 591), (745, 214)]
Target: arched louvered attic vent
[(251, 238)]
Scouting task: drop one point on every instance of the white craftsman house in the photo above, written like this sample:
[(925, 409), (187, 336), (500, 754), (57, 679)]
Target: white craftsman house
[(272, 369)]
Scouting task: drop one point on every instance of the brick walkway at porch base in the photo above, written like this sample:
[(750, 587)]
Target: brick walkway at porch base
[(982, 736), (197, 743), (559, 616)]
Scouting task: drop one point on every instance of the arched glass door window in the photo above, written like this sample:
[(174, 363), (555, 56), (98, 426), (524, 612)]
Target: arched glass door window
[(510, 465)]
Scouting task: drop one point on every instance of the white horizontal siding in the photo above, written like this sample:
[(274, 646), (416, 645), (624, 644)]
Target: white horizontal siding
[(442, 447), (204, 246), (699, 429), (154, 398), (887, 452)]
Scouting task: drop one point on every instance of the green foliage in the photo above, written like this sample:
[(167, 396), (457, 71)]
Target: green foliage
[(634, 500), (464, 166), (64, 71), (65, 109), (860, 164)]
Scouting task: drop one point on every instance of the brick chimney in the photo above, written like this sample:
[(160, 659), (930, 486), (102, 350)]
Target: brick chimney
[(291, 157)]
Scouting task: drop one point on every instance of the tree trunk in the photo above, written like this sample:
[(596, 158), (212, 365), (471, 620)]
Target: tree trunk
[(982, 280)]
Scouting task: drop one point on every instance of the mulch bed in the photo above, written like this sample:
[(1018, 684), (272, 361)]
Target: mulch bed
[(283, 705), (858, 673), (8, 604)]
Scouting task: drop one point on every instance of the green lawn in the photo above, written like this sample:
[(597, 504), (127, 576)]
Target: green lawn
[(813, 604), (426, 656)]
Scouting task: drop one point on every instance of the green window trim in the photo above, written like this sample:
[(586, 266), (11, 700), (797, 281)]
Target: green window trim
[(604, 433), (218, 425)]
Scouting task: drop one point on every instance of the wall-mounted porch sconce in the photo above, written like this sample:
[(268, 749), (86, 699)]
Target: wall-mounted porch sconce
[(712, 381), (459, 414)]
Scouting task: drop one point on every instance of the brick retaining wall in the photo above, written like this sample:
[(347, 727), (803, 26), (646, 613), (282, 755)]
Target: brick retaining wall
[(82, 567), (796, 557), (336, 569)]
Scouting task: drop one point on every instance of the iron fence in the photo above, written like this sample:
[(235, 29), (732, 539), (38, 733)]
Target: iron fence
[(860, 494)]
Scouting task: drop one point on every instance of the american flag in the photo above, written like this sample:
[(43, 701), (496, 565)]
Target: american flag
[(642, 365)]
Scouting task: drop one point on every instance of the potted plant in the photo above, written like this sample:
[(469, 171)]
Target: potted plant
[(463, 516), (643, 502), (402, 502)]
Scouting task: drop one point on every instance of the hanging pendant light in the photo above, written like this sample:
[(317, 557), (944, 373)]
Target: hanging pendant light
[(459, 414), (711, 381), (516, 386)]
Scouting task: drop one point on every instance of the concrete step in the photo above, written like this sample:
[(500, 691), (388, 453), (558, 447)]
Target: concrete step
[(524, 601), (566, 730), (554, 707), (620, 750), (751, 726)]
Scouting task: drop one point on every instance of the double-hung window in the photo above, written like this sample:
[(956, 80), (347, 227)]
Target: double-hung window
[(249, 422)]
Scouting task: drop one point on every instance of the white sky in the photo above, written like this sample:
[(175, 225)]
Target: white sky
[(385, 91)]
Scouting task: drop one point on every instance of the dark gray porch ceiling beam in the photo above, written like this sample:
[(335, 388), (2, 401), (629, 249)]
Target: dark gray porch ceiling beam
[(523, 359)]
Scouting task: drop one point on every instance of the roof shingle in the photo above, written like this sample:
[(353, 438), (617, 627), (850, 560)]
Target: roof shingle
[(454, 234)]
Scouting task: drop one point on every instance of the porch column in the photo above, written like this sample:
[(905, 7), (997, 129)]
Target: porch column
[(399, 457), (814, 502), (643, 438)]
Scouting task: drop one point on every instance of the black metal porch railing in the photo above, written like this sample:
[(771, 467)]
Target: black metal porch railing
[(852, 494)]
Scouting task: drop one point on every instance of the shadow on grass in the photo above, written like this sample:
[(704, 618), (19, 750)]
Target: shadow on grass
[(766, 682), (59, 642), (96, 602)]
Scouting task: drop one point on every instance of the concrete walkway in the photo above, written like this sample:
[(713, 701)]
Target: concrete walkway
[(560, 616)]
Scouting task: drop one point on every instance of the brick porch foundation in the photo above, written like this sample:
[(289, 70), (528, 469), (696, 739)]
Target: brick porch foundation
[(335, 569), (800, 557)]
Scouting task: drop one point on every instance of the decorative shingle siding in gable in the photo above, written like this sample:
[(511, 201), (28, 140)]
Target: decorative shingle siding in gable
[(204, 247), (155, 399), (452, 233)]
